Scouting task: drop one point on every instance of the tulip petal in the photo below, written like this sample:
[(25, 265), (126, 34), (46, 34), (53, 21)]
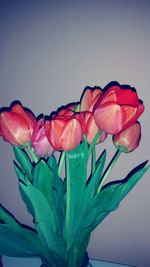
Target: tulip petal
[(42, 147), (128, 139), (86, 100), (140, 109), (130, 113), (71, 135), (58, 126), (89, 98), (15, 129), (27, 115), (120, 96), (96, 98), (38, 129), (127, 97), (80, 118), (91, 127), (39, 140), (86, 116), (97, 92), (109, 95), (30, 119), (65, 112), (109, 118), (53, 130)]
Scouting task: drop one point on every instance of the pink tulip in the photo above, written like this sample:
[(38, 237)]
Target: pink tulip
[(39, 140), (117, 109), (16, 125), (128, 139)]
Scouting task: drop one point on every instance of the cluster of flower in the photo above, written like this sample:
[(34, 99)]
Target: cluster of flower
[(112, 111)]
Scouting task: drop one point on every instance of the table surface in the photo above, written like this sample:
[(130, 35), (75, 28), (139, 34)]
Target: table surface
[(17, 262)]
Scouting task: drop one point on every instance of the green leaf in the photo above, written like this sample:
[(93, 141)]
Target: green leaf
[(44, 180), (56, 182), (22, 232), (42, 210), (15, 242), (59, 185), (76, 162), (44, 220), (21, 176), (24, 161), (27, 201), (52, 163), (93, 183), (76, 253), (109, 198), (64, 185), (18, 240), (82, 248), (7, 218), (91, 189)]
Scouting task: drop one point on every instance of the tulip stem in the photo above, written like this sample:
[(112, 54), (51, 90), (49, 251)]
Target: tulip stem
[(94, 141), (32, 154), (60, 164), (108, 169), (68, 202), (93, 159)]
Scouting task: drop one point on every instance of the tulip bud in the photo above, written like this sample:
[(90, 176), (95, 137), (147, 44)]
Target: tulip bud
[(128, 139), (39, 140), (89, 98), (16, 125)]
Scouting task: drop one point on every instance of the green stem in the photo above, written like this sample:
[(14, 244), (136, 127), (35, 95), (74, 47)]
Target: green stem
[(68, 204), (93, 159), (60, 164), (94, 141), (30, 150), (108, 169)]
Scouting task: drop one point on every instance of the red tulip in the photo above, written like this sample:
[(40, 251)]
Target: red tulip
[(39, 140), (16, 125), (117, 109), (91, 128), (64, 132), (89, 98), (128, 139)]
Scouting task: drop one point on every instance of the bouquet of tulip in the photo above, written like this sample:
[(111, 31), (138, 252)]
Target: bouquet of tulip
[(67, 209)]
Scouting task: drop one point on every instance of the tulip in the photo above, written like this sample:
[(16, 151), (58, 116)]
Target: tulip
[(65, 132), (128, 139), (89, 98), (16, 125), (39, 141), (117, 109), (91, 128)]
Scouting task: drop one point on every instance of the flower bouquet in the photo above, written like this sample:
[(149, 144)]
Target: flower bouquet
[(66, 210)]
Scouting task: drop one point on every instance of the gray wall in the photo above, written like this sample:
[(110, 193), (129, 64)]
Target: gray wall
[(49, 51)]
